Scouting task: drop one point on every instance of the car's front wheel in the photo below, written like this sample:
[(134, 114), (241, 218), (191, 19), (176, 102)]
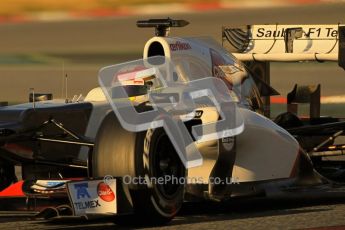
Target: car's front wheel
[(148, 162)]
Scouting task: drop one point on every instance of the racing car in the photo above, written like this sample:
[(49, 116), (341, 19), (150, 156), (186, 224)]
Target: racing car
[(77, 156)]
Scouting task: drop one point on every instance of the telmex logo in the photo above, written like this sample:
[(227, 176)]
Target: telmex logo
[(82, 190), (180, 46), (105, 192)]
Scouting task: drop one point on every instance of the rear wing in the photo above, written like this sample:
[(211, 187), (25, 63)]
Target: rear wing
[(284, 43)]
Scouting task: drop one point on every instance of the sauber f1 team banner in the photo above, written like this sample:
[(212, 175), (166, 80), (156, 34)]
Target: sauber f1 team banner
[(309, 31), (283, 42), (93, 197)]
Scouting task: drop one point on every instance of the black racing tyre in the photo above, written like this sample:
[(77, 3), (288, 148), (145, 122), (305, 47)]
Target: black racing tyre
[(148, 154)]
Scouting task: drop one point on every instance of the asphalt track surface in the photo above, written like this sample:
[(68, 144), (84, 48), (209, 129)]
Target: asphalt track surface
[(261, 214), (31, 55)]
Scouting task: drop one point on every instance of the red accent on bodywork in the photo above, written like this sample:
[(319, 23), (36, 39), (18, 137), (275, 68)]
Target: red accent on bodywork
[(180, 46), (15, 189), (278, 100)]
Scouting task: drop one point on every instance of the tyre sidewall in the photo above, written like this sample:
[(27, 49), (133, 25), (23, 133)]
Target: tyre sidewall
[(166, 207)]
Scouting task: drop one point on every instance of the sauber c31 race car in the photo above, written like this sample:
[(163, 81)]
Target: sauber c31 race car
[(76, 157)]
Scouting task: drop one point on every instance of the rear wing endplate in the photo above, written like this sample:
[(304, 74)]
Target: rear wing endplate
[(286, 42)]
